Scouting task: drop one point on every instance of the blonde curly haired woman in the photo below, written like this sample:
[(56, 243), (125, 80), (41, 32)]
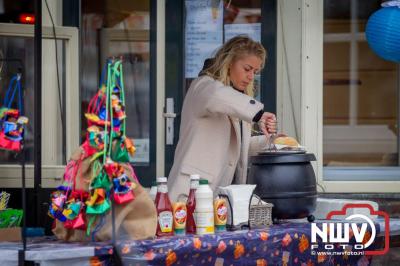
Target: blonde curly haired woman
[(217, 115)]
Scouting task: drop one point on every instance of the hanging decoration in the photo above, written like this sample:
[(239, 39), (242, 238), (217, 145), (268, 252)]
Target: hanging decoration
[(107, 147), (383, 31), (12, 121)]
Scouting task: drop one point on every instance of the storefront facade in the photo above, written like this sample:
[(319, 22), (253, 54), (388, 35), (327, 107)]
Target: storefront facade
[(326, 86)]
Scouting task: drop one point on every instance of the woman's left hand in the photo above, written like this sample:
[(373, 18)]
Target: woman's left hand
[(267, 123)]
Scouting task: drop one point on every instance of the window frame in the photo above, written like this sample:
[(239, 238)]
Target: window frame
[(10, 174), (338, 180), (354, 173)]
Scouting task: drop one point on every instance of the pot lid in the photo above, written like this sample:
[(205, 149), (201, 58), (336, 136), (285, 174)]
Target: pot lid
[(269, 158)]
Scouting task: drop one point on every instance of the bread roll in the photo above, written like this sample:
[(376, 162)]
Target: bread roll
[(289, 141)]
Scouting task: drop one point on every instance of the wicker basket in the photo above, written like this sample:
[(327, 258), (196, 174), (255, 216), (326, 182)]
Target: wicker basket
[(260, 214)]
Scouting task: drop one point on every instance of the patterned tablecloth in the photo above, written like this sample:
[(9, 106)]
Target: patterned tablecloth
[(283, 244), (49, 251)]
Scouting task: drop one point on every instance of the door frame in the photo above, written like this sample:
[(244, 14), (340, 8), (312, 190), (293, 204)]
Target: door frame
[(146, 171), (174, 66)]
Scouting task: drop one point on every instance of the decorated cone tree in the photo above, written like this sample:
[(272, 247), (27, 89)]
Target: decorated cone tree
[(108, 149)]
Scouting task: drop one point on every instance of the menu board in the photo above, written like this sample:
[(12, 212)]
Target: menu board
[(203, 33), (253, 30)]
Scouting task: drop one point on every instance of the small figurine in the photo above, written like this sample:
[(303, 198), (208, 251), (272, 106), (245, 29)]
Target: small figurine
[(113, 169), (97, 197), (96, 137), (129, 146), (122, 184), (73, 208), (118, 108), (56, 208)]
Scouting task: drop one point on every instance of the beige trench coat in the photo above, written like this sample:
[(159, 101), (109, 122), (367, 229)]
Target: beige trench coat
[(210, 142)]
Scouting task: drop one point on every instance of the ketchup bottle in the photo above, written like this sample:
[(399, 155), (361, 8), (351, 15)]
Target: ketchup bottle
[(191, 205), (164, 209)]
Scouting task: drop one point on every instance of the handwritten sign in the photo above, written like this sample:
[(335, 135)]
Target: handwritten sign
[(252, 30)]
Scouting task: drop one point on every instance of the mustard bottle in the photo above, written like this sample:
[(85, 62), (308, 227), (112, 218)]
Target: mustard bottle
[(180, 215), (220, 214)]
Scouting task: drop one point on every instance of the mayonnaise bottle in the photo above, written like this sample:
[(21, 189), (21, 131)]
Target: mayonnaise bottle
[(204, 212)]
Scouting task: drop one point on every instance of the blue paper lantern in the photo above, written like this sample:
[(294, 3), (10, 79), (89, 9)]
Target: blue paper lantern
[(383, 32)]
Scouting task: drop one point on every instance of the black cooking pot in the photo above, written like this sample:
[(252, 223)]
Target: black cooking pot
[(286, 180)]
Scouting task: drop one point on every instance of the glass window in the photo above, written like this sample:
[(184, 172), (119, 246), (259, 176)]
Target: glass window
[(16, 56), (21, 11), (210, 23), (360, 91), (120, 28)]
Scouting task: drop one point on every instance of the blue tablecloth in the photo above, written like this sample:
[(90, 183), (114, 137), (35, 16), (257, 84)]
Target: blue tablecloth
[(50, 251), (283, 244)]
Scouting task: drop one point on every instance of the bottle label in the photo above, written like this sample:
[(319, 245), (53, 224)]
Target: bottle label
[(180, 217), (165, 221), (204, 222), (163, 188), (222, 213), (194, 184)]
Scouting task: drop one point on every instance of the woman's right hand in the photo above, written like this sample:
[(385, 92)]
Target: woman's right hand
[(267, 124)]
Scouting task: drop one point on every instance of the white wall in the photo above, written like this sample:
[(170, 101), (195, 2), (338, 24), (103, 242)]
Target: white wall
[(55, 7), (289, 67), (160, 159), (53, 144), (299, 75)]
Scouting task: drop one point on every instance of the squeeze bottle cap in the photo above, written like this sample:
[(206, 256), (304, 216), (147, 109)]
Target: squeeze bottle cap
[(194, 177), (162, 179), (203, 182)]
